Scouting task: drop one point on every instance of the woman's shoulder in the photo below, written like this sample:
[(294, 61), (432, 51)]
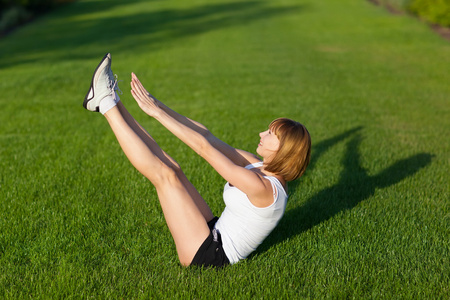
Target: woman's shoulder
[(248, 157)]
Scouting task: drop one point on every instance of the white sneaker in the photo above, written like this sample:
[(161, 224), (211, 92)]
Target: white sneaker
[(103, 84)]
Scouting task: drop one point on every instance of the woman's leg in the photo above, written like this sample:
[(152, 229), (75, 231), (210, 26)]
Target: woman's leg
[(163, 156), (185, 211)]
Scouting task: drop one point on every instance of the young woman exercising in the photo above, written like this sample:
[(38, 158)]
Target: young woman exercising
[(255, 192)]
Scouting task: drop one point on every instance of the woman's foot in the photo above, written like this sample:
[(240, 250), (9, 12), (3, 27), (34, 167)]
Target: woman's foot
[(103, 84)]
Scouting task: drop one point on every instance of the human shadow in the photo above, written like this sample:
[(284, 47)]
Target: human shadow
[(354, 185), (78, 27)]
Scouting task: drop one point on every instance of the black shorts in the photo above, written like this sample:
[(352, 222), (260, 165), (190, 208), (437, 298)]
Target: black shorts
[(210, 253)]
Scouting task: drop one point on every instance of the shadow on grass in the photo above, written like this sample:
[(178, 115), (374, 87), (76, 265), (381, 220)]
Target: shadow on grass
[(81, 30), (354, 186)]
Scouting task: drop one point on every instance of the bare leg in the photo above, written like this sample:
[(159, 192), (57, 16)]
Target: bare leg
[(185, 211), (164, 157)]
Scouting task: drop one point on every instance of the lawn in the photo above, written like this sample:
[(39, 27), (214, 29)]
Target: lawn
[(369, 219)]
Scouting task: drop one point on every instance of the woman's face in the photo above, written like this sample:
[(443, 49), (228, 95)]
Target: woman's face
[(268, 144)]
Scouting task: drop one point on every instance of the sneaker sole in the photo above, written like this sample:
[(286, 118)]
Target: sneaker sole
[(91, 88)]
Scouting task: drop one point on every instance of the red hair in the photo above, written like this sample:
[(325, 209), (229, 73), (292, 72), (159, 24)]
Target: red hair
[(294, 152)]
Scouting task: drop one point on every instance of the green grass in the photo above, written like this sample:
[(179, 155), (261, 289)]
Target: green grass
[(369, 219)]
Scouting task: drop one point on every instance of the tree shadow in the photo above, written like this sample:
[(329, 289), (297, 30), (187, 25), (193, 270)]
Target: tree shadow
[(354, 186), (79, 31)]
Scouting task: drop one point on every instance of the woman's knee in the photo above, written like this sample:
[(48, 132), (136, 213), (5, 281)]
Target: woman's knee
[(167, 174)]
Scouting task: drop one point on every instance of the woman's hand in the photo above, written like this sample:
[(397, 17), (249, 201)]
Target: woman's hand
[(144, 99)]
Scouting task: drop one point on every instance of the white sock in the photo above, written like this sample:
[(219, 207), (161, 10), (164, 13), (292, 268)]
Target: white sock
[(108, 102)]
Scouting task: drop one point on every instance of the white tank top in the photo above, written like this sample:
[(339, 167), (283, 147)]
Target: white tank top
[(242, 225)]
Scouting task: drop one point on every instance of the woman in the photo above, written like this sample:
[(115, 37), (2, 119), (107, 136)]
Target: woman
[(255, 193)]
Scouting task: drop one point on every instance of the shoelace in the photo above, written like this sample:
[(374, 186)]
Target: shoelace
[(114, 85)]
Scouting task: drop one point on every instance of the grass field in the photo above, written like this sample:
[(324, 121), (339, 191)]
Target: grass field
[(369, 219)]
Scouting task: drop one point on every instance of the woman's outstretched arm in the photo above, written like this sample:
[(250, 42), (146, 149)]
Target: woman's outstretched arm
[(258, 189), (239, 157)]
